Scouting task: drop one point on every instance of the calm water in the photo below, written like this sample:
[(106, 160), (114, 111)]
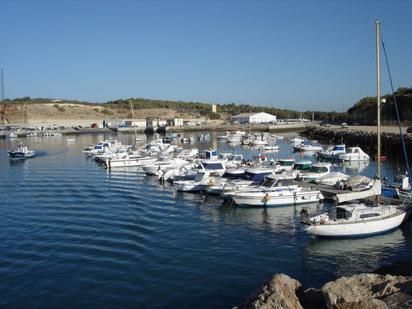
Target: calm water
[(73, 234)]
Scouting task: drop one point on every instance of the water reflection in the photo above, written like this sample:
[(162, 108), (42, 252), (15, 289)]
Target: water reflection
[(353, 255)]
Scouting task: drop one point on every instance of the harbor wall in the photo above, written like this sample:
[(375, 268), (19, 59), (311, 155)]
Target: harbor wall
[(391, 145)]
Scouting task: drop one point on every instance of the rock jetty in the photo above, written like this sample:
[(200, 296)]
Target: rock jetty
[(391, 142), (367, 290)]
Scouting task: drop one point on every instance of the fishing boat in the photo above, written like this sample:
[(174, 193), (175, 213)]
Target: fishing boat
[(21, 153), (360, 219)]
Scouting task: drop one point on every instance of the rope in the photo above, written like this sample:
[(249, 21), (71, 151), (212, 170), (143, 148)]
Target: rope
[(397, 115)]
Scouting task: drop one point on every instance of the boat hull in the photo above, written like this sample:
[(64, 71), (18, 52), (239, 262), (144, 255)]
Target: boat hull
[(357, 229), (267, 199)]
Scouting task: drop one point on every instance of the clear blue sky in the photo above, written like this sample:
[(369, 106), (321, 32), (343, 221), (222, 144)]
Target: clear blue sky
[(305, 55)]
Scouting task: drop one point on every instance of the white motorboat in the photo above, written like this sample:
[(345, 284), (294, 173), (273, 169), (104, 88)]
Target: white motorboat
[(308, 147), (258, 142), (21, 153), (270, 148), (286, 164), (278, 190), (333, 152), (12, 135), (159, 167), (214, 167), (196, 185), (317, 170), (233, 160), (296, 141), (128, 161), (332, 179), (233, 139), (355, 220), (354, 154)]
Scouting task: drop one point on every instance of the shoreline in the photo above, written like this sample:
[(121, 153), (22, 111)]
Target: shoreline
[(292, 127), (389, 286)]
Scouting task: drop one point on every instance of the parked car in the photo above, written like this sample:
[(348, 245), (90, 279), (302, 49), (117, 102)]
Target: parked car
[(344, 125), (325, 124)]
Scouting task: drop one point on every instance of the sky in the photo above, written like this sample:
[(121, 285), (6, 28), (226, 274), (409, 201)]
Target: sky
[(302, 55)]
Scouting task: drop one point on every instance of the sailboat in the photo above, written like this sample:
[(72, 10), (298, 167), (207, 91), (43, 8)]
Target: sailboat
[(359, 219)]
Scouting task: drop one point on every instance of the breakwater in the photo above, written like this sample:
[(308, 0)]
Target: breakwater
[(391, 142)]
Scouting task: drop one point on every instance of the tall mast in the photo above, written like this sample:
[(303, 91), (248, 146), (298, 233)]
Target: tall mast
[(134, 126), (378, 97)]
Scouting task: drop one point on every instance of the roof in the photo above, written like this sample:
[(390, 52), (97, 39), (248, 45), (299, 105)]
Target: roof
[(251, 114)]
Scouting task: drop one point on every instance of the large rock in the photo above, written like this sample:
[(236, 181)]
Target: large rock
[(368, 291), (278, 293)]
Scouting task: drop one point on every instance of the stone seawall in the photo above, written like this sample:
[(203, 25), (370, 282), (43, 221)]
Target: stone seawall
[(391, 142)]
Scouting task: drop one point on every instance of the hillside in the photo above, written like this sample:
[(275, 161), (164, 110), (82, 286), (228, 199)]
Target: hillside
[(364, 111), (28, 110)]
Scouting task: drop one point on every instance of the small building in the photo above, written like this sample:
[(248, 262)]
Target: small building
[(174, 122), (254, 118), (135, 123), (214, 108)]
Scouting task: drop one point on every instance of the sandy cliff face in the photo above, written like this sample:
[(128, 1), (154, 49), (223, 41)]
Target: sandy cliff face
[(14, 113)]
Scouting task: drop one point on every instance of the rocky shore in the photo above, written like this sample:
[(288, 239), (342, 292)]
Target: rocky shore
[(388, 287)]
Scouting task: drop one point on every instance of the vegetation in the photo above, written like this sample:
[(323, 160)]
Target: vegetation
[(106, 112), (367, 102), (59, 108), (362, 109)]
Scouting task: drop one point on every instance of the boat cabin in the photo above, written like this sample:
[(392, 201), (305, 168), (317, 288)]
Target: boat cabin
[(302, 165), (210, 154), (339, 148), (257, 174), (272, 181), (320, 168), (212, 165), (356, 212), (286, 162)]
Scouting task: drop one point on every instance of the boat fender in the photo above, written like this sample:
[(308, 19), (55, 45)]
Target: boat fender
[(266, 198)]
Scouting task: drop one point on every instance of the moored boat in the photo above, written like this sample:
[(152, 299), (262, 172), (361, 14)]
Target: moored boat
[(21, 153)]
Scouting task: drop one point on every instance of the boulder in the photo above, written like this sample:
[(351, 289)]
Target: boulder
[(278, 293), (358, 291)]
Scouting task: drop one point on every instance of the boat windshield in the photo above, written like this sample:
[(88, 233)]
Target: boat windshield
[(342, 213), (319, 169), (213, 166), (302, 167), (270, 182), (286, 162)]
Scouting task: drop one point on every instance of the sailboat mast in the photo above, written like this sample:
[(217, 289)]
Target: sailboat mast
[(378, 97), (134, 125)]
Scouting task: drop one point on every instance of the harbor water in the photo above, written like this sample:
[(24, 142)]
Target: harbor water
[(75, 234)]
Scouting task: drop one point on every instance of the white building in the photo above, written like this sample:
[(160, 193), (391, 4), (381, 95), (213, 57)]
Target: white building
[(254, 118)]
